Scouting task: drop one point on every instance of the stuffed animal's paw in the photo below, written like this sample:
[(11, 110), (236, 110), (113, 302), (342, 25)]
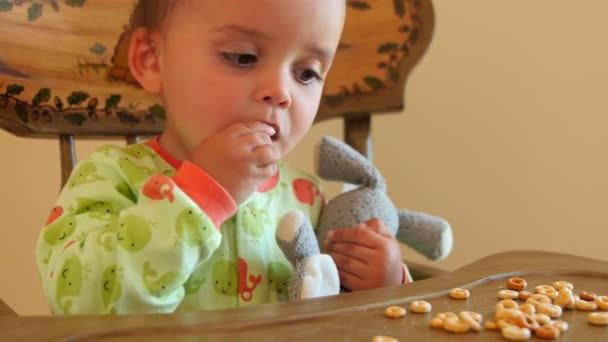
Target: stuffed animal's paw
[(320, 277), (290, 225)]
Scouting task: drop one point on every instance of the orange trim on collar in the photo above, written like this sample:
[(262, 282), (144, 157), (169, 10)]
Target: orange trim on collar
[(154, 143)]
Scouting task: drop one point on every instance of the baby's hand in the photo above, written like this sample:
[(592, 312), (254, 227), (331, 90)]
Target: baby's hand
[(239, 157), (367, 256)]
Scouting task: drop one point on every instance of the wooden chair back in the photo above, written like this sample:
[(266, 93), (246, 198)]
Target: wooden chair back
[(64, 72)]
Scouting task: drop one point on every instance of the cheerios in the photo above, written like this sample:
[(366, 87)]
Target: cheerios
[(516, 284), (506, 304), (475, 315), (528, 308), (546, 290), (542, 318), (459, 293), (571, 303), (501, 324), (536, 299), (527, 321), (602, 302), (515, 333), (446, 315), (470, 320), (561, 325), (420, 306), (490, 325), (588, 296), (564, 297), (437, 323), (455, 325), (508, 294), (394, 312), (523, 295), (384, 339), (507, 314), (550, 310), (585, 305), (547, 332), (598, 318), (558, 285)]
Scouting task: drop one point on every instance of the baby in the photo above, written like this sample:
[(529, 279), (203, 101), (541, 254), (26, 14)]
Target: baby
[(187, 220)]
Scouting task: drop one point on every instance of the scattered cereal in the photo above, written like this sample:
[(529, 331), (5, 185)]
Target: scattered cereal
[(459, 293), (394, 312), (420, 306)]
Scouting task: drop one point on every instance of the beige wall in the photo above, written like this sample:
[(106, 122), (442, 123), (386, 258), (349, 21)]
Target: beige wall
[(504, 135)]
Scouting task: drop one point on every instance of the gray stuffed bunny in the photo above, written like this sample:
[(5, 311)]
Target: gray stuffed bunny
[(316, 274)]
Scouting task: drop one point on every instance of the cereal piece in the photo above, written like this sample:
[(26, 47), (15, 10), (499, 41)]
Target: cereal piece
[(384, 339), (536, 299), (546, 290), (394, 312), (470, 319), (516, 284), (528, 308), (506, 304), (508, 294), (585, 305), (507, 314), (602, 302), (475, 315), (547, 332), (515, 333), (437, 323), (542, 318), (445, 315), (588, 296), (455, 325), (459, 293), (420, 306), (598, 318), (571, 303), (526, 321), (558, 285), (502, 324), (550, 310), (561, 325), (564, 297), (524, 295), (490, 325)]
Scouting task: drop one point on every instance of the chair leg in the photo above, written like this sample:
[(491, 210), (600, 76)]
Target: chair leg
[(68, 157)]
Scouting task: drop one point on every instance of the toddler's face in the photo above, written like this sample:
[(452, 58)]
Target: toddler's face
[(230, 61)]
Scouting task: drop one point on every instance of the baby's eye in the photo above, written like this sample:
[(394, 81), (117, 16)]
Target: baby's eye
[(307, 76), (240, 59)]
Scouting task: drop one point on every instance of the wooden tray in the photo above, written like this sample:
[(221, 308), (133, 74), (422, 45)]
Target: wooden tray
[(348, 317)]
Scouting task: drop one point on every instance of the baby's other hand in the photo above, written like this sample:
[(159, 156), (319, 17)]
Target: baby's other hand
[(239, 157), (367, 256)]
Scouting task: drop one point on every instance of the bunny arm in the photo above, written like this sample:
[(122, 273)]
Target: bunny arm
[(427, 234), (316, 274)]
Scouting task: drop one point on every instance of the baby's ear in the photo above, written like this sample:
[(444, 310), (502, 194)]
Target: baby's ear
[(144, 59)]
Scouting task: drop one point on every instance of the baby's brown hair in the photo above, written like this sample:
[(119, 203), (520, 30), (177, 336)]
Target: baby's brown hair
[(151, 13)]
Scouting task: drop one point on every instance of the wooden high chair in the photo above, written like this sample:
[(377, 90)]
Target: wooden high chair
[(64, 73)]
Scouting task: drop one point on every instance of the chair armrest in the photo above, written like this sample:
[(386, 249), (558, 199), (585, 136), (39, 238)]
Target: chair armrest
[(6, 310)]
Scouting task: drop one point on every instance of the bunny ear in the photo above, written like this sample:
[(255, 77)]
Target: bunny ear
[(336, 160)]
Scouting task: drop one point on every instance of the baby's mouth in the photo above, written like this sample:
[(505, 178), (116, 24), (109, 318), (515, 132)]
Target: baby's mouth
[(277, 132)]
